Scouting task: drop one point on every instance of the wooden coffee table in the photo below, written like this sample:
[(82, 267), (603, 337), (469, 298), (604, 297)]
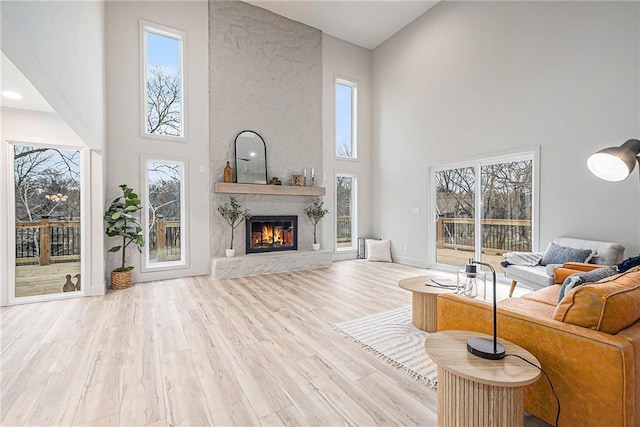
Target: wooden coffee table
[(476, 391), (424, 300)]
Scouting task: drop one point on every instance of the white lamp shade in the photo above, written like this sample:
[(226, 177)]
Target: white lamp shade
[(608, 166)]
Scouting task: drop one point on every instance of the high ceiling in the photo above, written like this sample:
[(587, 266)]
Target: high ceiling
[(364, 23), (13, 80)]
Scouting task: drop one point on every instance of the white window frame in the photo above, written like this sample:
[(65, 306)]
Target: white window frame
[(148, 266), (532, 154), (85, 224), (354, 213), (353, 84), (181, 36)]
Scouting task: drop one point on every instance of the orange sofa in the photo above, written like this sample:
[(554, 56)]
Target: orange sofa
[(589, 345)]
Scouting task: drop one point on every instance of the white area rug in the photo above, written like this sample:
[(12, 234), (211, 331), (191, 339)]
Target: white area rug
[(391, 336)]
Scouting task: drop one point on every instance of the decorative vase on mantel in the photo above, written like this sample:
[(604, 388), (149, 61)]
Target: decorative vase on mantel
[(228, 173), (316, 246), (230, 253)]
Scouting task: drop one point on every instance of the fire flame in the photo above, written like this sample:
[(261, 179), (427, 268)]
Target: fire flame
[(271, 234)]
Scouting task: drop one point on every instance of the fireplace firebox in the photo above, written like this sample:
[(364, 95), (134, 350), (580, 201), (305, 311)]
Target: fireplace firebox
[(272, 233)]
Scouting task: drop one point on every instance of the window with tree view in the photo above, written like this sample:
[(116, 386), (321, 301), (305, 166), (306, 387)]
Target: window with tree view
[(47, 194), (165, 214), (163, 86), (500, 221), (345, 118), (345, 211)]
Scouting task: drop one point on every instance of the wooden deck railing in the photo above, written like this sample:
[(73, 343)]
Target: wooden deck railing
[(45, 241), (498, 235), (164, 239), (343, 229)]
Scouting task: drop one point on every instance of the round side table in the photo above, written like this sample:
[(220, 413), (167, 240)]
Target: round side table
[(478, 392), (423, 300)]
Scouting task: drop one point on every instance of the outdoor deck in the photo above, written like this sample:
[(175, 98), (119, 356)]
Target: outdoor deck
[(460, 257), (41, 280)]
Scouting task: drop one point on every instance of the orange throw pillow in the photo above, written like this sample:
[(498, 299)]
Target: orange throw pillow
[(609, 306)]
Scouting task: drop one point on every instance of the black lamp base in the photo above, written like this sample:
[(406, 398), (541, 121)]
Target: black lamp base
[(483, 347)]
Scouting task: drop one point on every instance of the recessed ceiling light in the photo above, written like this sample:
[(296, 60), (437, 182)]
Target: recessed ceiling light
[(11, 94)]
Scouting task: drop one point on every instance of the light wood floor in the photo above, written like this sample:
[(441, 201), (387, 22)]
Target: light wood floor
[(249, 351)]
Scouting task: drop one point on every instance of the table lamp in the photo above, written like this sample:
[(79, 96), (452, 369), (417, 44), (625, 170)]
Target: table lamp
[(482, 347)]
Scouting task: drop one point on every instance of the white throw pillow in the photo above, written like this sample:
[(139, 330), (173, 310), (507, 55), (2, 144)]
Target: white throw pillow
[(378, 250)]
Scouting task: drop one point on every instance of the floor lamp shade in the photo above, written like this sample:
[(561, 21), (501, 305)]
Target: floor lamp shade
[(615, 163)]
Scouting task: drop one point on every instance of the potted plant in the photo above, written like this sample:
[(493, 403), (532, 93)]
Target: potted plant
[(315, 213), (234, 215), (121, 222)]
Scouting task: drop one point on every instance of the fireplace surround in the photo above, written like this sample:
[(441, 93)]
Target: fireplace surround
[(271, 233)]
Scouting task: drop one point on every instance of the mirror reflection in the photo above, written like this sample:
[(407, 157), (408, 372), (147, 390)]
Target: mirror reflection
[(251, 158)]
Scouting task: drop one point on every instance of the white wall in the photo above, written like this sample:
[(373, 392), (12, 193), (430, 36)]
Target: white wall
[(59, 47), (470, 79), (343, 59), (125, 145), (266, 76)]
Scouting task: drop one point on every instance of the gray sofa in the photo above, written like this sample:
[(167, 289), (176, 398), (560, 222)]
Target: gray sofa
[(539, 276)]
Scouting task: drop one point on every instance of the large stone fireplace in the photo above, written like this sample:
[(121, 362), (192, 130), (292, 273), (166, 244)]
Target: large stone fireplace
[(246, 70), (272, 233)]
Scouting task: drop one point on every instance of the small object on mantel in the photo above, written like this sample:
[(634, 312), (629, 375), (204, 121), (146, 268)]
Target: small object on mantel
[(228, 173), (275, 181)]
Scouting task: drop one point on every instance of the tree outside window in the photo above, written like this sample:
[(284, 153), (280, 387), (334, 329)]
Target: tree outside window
[(164, 97)]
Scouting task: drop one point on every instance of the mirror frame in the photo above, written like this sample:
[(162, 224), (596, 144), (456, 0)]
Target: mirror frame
[(264, 146)]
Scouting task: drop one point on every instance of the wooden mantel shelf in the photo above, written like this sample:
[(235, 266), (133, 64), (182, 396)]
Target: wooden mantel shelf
[(274, 190)]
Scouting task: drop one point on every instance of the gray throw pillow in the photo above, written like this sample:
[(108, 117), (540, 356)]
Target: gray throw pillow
[(557, 254), (578, 279)]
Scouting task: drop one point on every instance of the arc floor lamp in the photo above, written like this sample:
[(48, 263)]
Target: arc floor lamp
[(615, 163)]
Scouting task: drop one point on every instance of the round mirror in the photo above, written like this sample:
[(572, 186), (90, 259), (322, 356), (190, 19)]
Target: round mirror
[(251, 158)]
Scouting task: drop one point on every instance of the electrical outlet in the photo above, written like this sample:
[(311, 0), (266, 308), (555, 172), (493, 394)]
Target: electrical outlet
[(415, 211), (202, 168)]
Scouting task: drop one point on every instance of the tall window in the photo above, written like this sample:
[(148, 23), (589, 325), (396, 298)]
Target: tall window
[(345, 120), (163, 85), (165, 218), (345, 212)]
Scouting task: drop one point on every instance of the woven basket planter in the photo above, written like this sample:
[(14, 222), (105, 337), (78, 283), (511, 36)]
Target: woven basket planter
[(121, 279)]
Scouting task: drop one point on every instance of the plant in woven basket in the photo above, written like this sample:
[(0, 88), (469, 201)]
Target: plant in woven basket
[(122, 222), (234, 215)]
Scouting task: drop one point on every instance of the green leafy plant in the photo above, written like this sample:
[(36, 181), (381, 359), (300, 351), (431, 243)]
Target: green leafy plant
[(121, 222), (315, 213), (234, 215)]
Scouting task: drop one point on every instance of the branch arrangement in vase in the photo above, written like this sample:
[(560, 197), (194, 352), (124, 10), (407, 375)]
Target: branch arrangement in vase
[(315, 213), (234, 215)]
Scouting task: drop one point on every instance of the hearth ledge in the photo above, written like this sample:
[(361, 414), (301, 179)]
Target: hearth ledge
[(264, 263)]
